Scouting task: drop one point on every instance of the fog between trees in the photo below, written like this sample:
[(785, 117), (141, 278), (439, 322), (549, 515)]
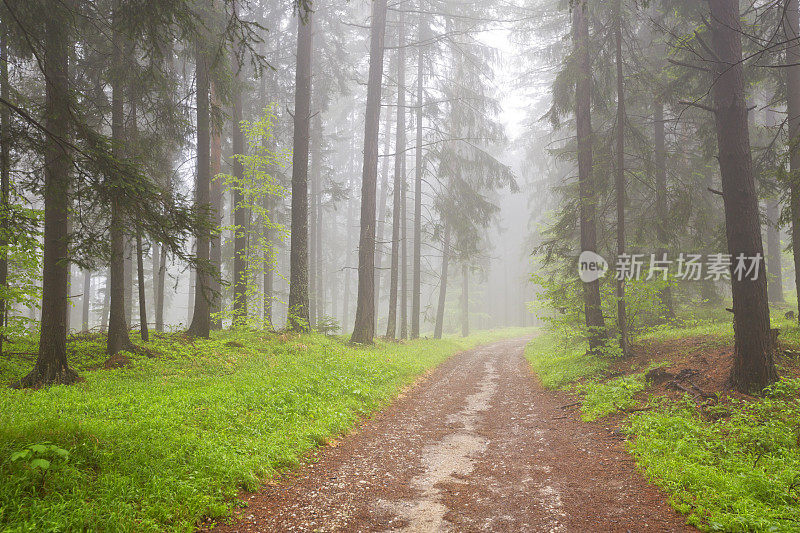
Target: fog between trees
[(411, 168)]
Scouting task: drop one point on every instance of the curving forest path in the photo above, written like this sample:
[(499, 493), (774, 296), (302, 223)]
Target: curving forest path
[(476, 446)]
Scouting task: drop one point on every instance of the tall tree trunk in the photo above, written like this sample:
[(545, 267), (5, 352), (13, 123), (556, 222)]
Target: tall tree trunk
[(201, 315), (661, 197), (753, 364), (215, 243), (51, 363), (791, 28), (162, 274), (619, 179), (106, 303), (268, 204), (364, 329), (418, 171), (5, 175), (772, 212), (190, 297), (399, 155), (140, 282), (583, 90), (437, 330), (774, 266), (128, 269), (318, 236), (118, 324), (69, 284), (156, 270), (269, 265), (241, 216), (464, 300), (133, 138), (348, 254), (315, 252), (87, 299), (298, 315), (403, 253), (380, 242)]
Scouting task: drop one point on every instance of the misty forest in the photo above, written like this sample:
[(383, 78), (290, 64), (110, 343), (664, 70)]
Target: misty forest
[(409, 265)]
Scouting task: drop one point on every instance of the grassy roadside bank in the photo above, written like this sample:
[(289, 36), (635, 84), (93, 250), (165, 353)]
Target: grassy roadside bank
[(171, 438), (729, 462)]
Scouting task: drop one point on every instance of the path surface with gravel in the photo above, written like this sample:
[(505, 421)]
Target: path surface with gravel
[(477, 445)]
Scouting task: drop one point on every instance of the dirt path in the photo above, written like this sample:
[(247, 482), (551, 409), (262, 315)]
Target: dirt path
[(478, 446)]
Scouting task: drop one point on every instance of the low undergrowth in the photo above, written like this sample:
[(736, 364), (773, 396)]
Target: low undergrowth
[(603, 398), (729, 463), (738, 473), (174, 436), (85, 351), (559, 364)]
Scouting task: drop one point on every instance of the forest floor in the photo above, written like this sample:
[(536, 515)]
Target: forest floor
[(728, 461), (183, 425), (479, 445)]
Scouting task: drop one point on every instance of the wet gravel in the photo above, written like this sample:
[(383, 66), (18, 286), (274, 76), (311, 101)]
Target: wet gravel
[(477, 445)]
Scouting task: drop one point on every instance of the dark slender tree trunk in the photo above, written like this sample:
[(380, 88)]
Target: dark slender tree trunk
[(215, 243), (773, 230), (87, 299), (269, 265), (106, 303), (380, 243), (464, 300), (318, 236), (241, 217), (403, 253), (753, 364), (192, 284), (774, 266), (162, 274), (140, 282), (619, 179), (791, 28), (118, 338), (5, 175), (399, 155), (268, 204), (364, 329), (128, 266), (437, 331), (51, 363), (298, 315), (416, 287), (201, 315), (583, 89), (348, 254), (69, 283), (133, 138), (661, 198), (315, 241), (156, 270)]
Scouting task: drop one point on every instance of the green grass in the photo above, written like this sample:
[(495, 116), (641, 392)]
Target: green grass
[(602, 399), (172, 438), (740, 473), (558, 364), (84, 352)]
